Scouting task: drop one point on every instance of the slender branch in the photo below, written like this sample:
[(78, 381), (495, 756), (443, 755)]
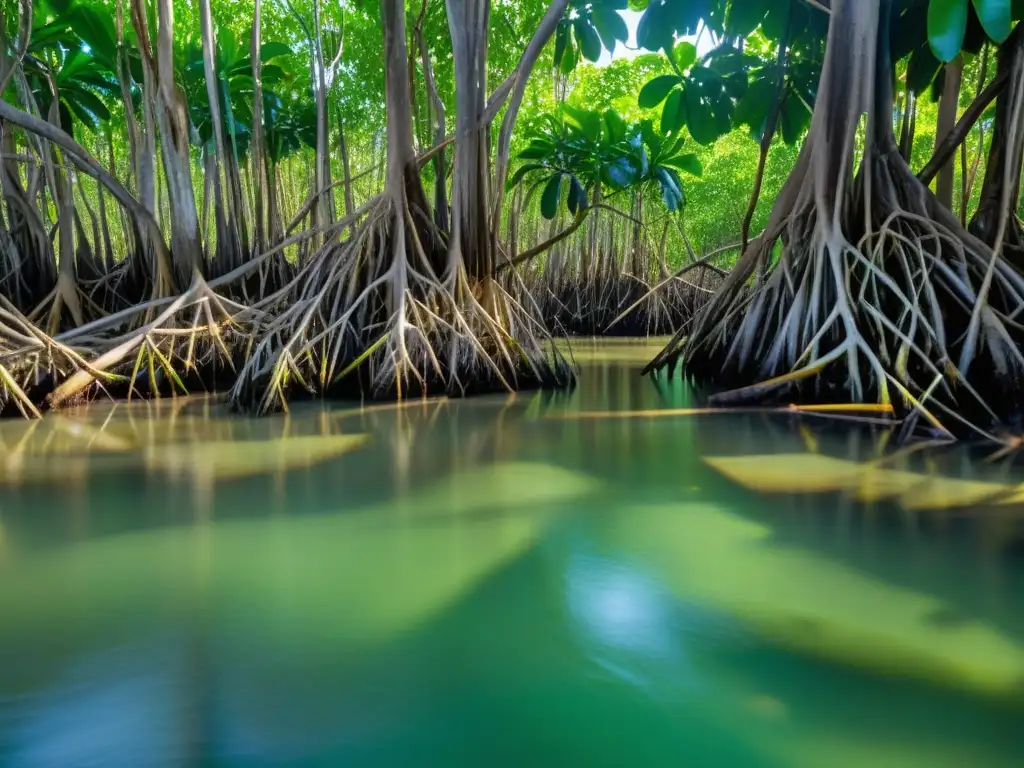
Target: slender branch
[(81, 157), (825, 6), (547, 244), (963, 128), (769, 129)]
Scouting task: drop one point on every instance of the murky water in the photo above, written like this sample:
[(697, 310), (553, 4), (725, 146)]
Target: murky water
[(504, 581)]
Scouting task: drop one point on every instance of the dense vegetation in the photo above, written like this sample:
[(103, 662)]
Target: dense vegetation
[(818, 198)]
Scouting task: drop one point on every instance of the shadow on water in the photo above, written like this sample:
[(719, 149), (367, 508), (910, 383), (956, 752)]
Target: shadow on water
[(515, 580)]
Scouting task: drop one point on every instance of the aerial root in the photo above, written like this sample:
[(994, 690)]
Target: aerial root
[(371, 318), (917, 309), (199, 329)]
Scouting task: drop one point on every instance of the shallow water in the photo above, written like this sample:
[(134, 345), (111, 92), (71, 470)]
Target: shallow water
[(512, 581)]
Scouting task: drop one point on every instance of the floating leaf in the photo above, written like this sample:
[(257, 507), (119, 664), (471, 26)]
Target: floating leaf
[(366, 575), (814, 473)]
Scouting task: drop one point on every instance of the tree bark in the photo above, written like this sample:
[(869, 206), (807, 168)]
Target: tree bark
[(948, 107), (1005, 148), (437, 111), (256, 151), (325, 206), (214, 166), (172, 117), (468, 22), (520, 78), (769, 132)]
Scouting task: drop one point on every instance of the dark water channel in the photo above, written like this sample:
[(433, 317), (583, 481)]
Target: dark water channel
[(518, 581)]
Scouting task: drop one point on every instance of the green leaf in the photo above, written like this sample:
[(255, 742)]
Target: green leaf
[(521, 173), (687, 163), (685, 54), (673, 116), (995, 17), (657, 90), (619, 174), (587, 39), (656, 30), (273, 49), (561, 40), (551, 197), (538, 150), (795, 119), (577, 196), (708, 105), (571, 57), (586, 122), (921, 69), (87, 100), (615, 126), (271, 73), (96, 29), (671, 191), (947, 25), (744, 16), (753, 108), (82, 113), (611, 26)]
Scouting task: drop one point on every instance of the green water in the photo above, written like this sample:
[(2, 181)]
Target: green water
[(501, 581)]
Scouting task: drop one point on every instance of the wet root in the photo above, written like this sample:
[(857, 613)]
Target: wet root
[(369, 318)]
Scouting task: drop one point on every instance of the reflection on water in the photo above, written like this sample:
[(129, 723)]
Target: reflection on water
[(497, 581)]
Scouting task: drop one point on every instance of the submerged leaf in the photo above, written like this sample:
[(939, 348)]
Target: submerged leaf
[(235, 459), (364, 575), (813, 473), (802, 601)]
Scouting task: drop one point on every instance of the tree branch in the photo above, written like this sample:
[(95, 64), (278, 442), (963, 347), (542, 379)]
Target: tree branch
[(81, 157), (547, 244), (960, 132)]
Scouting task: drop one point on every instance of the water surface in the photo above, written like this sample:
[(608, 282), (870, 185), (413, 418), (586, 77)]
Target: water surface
[(529, 580)]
